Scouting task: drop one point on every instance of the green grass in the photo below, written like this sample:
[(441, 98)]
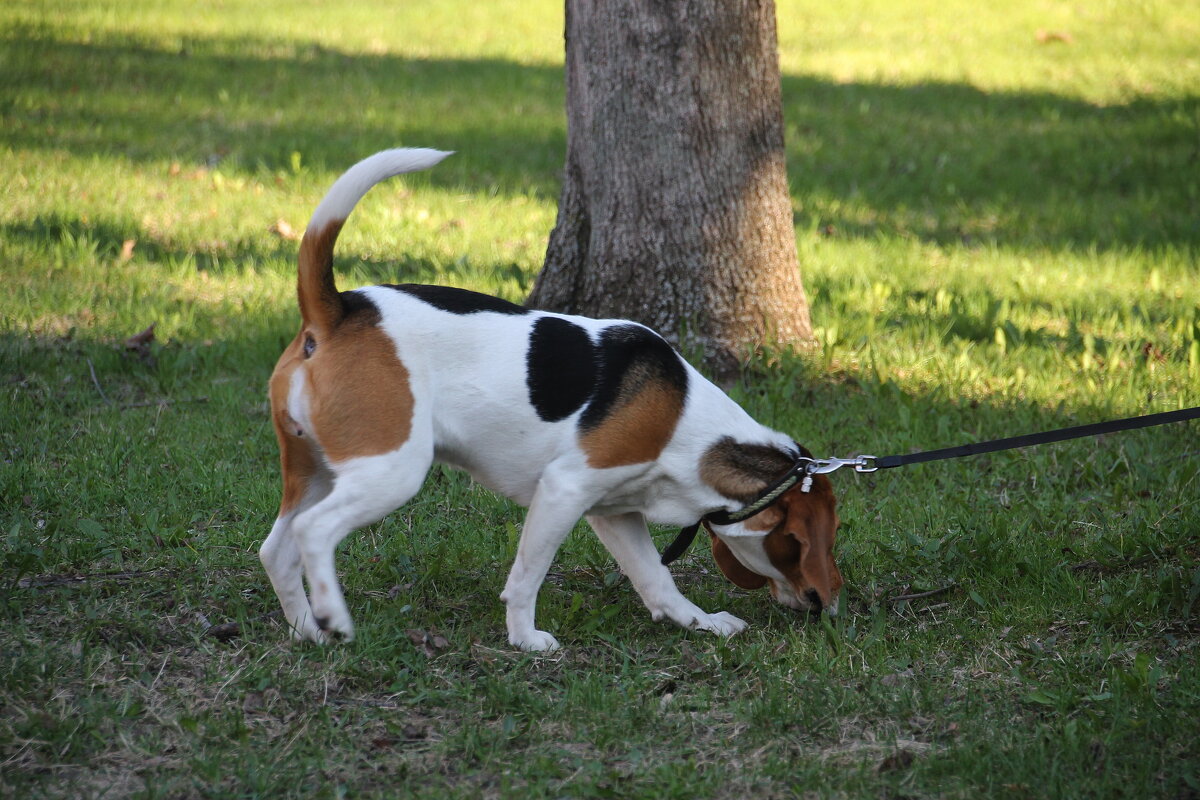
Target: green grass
[(998, 234)]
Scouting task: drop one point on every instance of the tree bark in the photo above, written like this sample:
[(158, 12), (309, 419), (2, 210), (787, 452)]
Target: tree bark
[(675, 209)]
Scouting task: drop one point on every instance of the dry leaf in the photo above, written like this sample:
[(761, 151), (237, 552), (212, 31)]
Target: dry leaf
[(140, 342), (901, 759), (127, 249), (1048, 37), (225, 631), (428, 642), (415, 732), (284, 231), (896, 678)]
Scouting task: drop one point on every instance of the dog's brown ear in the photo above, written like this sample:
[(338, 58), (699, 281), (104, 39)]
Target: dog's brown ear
[(740, 471), (733, 568)]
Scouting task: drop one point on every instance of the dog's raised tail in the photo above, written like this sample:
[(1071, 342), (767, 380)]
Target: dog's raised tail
[(320, 303)]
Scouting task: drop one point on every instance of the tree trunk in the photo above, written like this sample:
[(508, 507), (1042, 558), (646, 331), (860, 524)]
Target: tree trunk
[(675, 209)]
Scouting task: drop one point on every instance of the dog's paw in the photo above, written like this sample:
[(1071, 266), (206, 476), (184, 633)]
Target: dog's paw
[(305, 630), (721, 623), (331, 630), (534, 642)]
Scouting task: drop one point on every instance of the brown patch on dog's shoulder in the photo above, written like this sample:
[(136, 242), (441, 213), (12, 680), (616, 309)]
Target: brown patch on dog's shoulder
[(638, 427), (740, 471), (638, 396), (360, 397)]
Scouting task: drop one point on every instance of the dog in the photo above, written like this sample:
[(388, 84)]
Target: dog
[(569, 416)]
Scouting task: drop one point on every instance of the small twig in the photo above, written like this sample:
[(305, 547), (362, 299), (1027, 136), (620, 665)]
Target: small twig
[(42, 581), (900, 598), (163, 402), (934, 607), (96, 381)]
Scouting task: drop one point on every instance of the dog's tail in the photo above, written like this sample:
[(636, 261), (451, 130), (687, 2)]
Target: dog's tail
[(320, 303)]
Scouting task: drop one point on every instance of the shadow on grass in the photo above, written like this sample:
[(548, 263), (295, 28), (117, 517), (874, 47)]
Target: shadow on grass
[(259, 105), (939, 162), (950, 163), (106, 237)]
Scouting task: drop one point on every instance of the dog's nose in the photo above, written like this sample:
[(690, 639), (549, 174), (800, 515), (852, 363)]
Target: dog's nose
[(813, 597)]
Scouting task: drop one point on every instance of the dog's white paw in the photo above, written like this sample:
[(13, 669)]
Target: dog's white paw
[(721, 623), (333, 628), (534, 641), (305, 630)]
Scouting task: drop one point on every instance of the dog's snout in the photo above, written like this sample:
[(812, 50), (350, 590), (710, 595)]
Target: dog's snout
[(813, 597)]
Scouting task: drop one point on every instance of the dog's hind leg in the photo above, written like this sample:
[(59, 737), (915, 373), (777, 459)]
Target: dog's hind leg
[(306, 481), (281, 558), (365, 490), (628, 539)]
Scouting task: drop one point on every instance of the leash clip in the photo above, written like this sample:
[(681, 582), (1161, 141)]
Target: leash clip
[(823, 466)]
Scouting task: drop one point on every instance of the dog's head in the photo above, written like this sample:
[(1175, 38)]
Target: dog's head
[(788, 545)]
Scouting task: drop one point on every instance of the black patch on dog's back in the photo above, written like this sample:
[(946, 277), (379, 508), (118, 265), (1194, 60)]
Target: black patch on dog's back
[(457, 301), (631, 356), (359, 308), (560, 368)]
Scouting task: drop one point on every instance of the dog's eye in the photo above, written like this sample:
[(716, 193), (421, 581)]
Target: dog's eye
[(310, 344)]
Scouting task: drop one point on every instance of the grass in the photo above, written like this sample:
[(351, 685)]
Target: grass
[(998, 234)]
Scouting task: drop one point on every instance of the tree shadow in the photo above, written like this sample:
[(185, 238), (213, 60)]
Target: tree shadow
[(940, 162), (105, 237), (255, 105), (952, 164)]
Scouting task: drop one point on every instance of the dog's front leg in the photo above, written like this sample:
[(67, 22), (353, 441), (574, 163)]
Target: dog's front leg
[(628, 539), (557, 505)]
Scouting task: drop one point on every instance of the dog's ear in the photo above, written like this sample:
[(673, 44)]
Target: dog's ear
[(804, 553), (740, 471), (733, 569)]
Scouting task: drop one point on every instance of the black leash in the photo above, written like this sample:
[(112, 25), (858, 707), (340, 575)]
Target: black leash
[(1030, 439), (805, 468)]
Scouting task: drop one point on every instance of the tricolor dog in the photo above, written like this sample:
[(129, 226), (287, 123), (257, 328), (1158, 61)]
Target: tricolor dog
[(569, 416)]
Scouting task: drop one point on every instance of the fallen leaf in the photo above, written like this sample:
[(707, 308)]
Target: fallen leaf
[(415, 732), (140, 341), (224, 632), (1049, 37), (896, 678), (284, 231), (1153, 353), (252, 701), (901, 759), (428, 642)]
